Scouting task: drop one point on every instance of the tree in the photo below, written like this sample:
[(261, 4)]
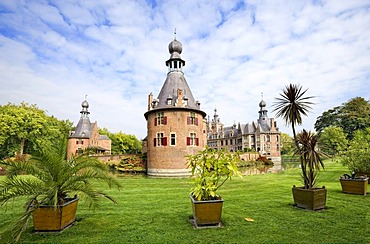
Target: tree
[(122, 143), (291, 105), (287, 144), (23, 126), (350, 116), (333, 140), (357, 156)]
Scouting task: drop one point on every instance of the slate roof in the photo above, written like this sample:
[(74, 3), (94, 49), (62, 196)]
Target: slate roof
[(83, 128), (175, 80)]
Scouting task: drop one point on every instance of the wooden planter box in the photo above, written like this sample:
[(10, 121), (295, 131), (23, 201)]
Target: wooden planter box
[(366, 174), (48, 218), (354, 186), (207, 213), (312, 199)]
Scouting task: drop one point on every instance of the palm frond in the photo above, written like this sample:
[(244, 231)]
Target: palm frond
[(51, 178)]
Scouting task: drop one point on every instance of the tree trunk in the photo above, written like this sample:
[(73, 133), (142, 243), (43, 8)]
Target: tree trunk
[(23, 142)]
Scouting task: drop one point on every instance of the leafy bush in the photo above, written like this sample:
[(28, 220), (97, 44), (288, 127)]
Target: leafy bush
[(357, 156), (211, 169)]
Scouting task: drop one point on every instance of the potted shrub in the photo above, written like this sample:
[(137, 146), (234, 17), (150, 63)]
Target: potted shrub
[(354, 184), (210, 169), (51, 185), (309, 196), (357, 155)]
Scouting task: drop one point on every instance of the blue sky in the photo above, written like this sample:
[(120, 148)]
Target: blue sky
[(53, 53)]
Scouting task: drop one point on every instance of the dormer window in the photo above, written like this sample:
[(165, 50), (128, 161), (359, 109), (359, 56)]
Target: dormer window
[(185, 101), (169, 100), (155, 103)]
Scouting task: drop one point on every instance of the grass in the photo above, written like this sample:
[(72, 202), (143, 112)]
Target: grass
[(158, 210)]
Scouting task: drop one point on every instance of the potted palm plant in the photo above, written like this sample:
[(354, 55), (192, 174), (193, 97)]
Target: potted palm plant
[(51, 185), (309, 196), (210, 169), (291, 106)]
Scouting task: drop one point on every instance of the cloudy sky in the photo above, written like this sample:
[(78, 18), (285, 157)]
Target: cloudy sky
[(53, 53)]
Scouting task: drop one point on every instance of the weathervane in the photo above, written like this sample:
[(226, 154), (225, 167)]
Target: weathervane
[(175, 33)]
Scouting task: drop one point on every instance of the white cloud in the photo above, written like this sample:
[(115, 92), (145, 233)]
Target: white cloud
[(114, 51)]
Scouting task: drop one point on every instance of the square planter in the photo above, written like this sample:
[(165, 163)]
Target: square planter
[(48, 218), (365, 174), (207, 213), (354, 186), (312, 199)]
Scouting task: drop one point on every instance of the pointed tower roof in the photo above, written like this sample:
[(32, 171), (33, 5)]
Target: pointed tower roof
[(263, 112), (175, 92), (83, 128)]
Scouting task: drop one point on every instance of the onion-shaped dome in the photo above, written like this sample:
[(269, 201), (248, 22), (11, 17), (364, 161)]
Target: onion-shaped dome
[(175, 46), (262, 104), (85, 104)]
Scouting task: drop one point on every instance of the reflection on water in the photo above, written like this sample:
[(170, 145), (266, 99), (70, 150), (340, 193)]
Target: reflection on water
[(263, 169)]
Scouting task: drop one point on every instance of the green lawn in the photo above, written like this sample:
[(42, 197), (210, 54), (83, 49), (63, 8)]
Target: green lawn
[(158, 211)]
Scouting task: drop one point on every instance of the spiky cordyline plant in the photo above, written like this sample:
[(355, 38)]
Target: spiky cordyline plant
[(311, 157), (291, 105), (50, 178)]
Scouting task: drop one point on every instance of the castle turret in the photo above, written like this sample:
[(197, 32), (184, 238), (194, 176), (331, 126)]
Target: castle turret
[(176, 125), (86, 135)]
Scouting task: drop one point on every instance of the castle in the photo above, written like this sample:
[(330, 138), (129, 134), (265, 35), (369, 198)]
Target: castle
[(262, 136), (176, 127), (86, 135)]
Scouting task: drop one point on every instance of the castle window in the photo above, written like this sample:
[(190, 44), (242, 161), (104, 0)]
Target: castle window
[(160, 140), (192, 120), (268, 138), (160, 119), (192, 140), (169, 101), (173, 139)]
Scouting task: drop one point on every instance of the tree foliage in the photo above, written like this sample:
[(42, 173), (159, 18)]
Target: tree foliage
[(24, 126), (357, 156), (287, 144), (122, 143), (333, 140), (350, 116)]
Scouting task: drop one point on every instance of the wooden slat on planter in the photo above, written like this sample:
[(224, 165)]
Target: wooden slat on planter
[(48, 218), (354, 186)]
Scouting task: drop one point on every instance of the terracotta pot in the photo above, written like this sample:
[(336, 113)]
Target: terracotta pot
[(207, 212), (312, 199), (48, 218), (354, 186)]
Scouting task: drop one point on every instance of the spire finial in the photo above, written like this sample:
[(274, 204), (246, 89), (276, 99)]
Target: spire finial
[(175, 33), (86, 97), (261, 95)]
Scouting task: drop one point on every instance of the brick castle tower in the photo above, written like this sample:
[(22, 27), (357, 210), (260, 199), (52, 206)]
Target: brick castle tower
[(176, 125)]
